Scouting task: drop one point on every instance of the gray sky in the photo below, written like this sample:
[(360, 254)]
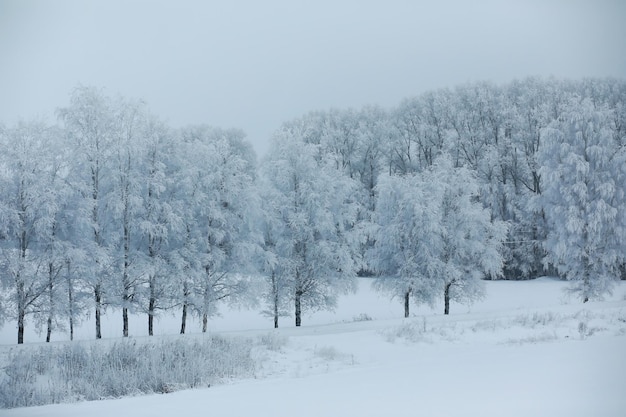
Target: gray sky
[(255, 64)]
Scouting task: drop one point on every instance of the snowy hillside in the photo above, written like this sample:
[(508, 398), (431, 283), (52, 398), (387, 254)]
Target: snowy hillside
[(524, 350)]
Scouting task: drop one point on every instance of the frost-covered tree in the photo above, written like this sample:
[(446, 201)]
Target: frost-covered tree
[(159, 219), (56, 238), (28, 209), (215, 187), (88, 124), (124, 203), (314, 200), (583, 176), (273, 265), (434, 236), (419, 127), (469, 241), (401, 255)]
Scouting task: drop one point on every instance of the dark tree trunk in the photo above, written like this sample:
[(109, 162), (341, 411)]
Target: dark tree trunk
[(183, 322), (50, 301), (49, 329), (151, 305), (126, 297), (275, 291), (71, 329), (406, 303), (153, 298), (205, 320), (276, 312), (125, 320), (70, 299), (446, 299), (98, 295), (95, 181), (20, 326), (298, 308), (21, 295)]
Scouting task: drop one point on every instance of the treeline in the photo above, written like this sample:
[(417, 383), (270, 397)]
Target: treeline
[(114, 208)]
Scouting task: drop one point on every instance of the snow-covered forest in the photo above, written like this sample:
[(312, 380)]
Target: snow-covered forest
[(113, 211)]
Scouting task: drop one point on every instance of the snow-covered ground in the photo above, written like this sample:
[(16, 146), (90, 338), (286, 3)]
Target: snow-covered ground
[(526, 350)]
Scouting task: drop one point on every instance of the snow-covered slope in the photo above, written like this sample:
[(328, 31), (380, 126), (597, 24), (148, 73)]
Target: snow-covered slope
[(526, 350)]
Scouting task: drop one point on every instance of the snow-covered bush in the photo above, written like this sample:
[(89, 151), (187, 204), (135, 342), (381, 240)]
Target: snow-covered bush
[(542, 337), (412, 331), (272, 341), (328, 353), (71, 372), (362, 317)]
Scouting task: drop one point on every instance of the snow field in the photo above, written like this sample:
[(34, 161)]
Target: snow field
[(524, 350)]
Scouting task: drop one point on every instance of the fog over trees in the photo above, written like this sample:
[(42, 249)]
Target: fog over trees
[(112, 209)]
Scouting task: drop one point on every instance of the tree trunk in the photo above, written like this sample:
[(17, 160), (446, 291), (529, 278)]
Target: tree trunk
[(125, 320), (50, 301), (183, 322), (21, 294), (71, 328), (20, 326), (151, 305), (126, 297), (49, 329), (205, 320), (298, 308), (95, 180), (406, 303), (98, 295), (446, 299), (70, 299), (275, 291), (276, 311)]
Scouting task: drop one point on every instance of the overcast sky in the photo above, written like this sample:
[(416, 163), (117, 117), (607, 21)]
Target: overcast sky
[(254, 64)]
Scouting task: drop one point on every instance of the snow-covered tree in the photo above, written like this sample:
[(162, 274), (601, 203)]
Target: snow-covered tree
[(402, 255), (56, 239), (159, 219), (469, 240), (583, 176), (434, 236), (273, 265), (88, 124), (315, 206), (124, 203), (28, 210), (215, 187)]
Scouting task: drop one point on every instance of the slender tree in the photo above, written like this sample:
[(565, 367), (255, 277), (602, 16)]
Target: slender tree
[(26, 215), (89, 125)]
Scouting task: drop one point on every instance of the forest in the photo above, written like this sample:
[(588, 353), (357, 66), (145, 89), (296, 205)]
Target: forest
[(112, 209)]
